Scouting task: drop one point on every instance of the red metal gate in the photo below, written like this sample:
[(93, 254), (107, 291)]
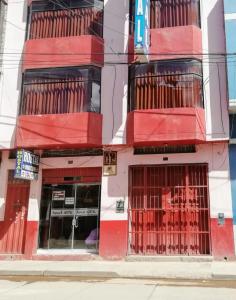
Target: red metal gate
[(12, 233), (169, 210)]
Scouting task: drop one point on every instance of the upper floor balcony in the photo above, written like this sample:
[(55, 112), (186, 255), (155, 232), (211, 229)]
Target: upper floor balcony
[(64, 33), (60, 108), (175, 29), (166, 103)]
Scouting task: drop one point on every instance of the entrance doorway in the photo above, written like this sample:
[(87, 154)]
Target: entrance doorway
[(169, 210), (13, 229), (70, 212)]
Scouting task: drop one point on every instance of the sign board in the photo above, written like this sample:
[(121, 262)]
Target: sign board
[(120, 206), (27, 165), (142, 26), (58, 195), (80, 212), (110, 163), (69, 201)]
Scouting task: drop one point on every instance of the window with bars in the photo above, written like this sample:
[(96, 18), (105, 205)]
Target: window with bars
[(165, 84), (53, 19), (170, 13), (61, 90)]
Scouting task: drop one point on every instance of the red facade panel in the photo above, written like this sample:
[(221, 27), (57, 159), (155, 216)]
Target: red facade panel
[(63, 51), (57, 176), (172, 43), (166, 126), (59, 130), (169, 210)]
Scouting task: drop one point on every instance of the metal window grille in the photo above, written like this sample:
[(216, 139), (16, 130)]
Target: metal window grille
[(170, 13), (61, 90), (49, 19), (167, 84), (169, 210)]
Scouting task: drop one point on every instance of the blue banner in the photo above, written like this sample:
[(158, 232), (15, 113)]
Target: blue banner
[(27, 165), (142, 25)]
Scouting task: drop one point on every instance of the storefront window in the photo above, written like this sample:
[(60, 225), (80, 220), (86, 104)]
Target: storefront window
[(69, 217)]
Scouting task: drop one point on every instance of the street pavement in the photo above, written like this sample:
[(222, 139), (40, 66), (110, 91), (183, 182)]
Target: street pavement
[(122, 289), (121, 269)]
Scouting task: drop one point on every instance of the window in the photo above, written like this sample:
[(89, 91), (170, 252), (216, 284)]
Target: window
[(171, 13), (166, 84), (61, 90), (50, 19), (232, 119)]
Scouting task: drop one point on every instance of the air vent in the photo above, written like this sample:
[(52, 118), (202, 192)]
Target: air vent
[(165, 150)]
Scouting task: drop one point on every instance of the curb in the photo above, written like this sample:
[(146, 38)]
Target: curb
[(112, 275)]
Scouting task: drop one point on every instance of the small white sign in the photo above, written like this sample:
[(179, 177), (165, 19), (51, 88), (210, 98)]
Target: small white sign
[(58, 195), (69, 201)]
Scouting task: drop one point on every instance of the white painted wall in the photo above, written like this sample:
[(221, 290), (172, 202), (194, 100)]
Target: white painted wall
[(116, 188), (214, 70), (10, 81)]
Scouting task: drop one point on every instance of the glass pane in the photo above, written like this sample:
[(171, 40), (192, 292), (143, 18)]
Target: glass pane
[(87, 216), (56, 216)]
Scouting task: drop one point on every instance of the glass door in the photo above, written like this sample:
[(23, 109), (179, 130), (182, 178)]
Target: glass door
[(86, 217), (69, 217)]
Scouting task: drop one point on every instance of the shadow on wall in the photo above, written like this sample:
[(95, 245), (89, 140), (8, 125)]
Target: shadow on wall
[(217, 71), (115, 77)]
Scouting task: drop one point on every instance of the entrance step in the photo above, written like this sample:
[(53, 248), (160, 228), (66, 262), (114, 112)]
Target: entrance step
[(177, 258)]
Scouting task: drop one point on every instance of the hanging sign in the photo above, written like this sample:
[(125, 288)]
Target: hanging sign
[(142, 26), (58, 195), (110, 163), (27, 165)]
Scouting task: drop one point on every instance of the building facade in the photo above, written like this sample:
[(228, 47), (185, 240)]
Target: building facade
[(76, 92), (230, 26)]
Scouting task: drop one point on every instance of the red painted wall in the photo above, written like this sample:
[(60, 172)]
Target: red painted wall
[(51, 52), (166, 126), (176, 40), (172, 40), (113, 239), (62, 130), (222, 239), (31, 241)]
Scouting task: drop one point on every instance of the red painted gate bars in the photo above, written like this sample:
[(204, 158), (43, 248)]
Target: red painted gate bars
[(169, 210)]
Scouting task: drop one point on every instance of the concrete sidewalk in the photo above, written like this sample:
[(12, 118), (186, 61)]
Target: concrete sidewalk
[(121, 269)]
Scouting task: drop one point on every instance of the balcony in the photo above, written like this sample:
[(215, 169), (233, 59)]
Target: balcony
[(172, 23), (60, 108), (67, 34), (166, 104)]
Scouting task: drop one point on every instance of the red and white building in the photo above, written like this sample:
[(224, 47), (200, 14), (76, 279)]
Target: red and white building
[(72, 88)]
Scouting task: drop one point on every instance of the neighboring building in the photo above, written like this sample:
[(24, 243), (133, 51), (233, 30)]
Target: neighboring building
[(3, 5), (83, 93), (230, 27)]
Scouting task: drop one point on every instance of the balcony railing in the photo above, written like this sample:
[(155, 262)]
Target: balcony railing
[(64, 20), (171, 13), (165, 85), (60, 91)]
